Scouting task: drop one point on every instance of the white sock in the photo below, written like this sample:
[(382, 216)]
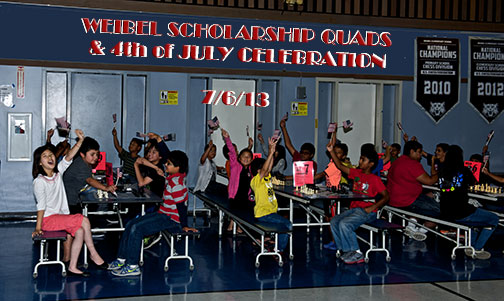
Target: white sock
[(411, 225), (358, 251), (121, 260)]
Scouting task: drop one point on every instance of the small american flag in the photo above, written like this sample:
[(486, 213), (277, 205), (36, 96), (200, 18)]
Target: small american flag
[(119, 175), (399, 125), (347, 124), (489, 138), (114, 117), (384, 143), (141, 135), (259, 126), (286, 116), (170, 137), (276, 135), (213, 124), (486, 157), (331, 128), (248, 133), (62, 123)]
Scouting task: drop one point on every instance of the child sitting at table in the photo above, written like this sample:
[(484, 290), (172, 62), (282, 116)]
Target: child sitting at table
[(439, 156), (279, 162), (454, 181), (172, 216), (225, 152), (149, 171), (343, 226), (207, 170), (239, 192), (395, 151), (305, 154), (52, 206), (130, 157), (332, 177), (266, 205), (78, 178)]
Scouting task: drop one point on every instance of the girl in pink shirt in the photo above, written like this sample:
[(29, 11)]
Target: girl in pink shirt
[(239, 191)]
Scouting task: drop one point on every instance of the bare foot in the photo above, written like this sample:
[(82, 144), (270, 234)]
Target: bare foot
[(97, 259), (74, 270)]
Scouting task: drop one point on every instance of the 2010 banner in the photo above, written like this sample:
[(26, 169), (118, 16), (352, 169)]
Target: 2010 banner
[(437, 76)]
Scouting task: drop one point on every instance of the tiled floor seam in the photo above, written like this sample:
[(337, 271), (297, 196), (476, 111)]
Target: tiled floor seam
[(451, 291)]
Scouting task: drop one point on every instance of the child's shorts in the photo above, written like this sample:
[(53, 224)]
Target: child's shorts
[(68, 222)]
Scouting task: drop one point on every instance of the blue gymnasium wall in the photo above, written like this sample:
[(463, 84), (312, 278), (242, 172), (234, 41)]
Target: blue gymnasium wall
[(16, 193), (164, 119), (462, 125)]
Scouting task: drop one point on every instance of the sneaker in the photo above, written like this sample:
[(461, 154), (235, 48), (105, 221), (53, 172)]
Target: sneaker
[(344, 255), (416, 235), (419, 236), (468, 252), (354, 257), (448, 232), (453, 234), (127, 270), (422, 230), (482, 254), (115, 265), (151, 241), (330, 246)]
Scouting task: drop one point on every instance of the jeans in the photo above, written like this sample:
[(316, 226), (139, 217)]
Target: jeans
[(138, 228), (424, 205), (274, 218), (343, 227), (478, 240)]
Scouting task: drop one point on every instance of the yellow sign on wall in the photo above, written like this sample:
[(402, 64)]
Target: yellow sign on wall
[(168, 97), (299, 108)]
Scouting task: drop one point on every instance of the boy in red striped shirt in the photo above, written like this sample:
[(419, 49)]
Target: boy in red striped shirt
[(171, 216)]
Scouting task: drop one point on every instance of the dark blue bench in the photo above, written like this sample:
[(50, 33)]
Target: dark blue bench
[(216, 197), (170, 239), (44, 240), (465, 227), (378, 226)]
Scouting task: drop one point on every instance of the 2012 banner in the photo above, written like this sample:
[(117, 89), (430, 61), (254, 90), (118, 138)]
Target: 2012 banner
[(486, 77), (437, 76)]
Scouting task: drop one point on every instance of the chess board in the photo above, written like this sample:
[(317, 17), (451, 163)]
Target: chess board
[(487, 189)]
